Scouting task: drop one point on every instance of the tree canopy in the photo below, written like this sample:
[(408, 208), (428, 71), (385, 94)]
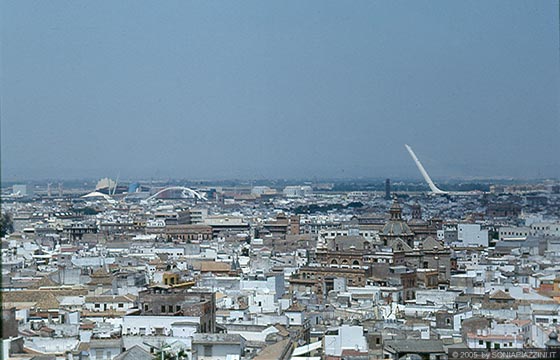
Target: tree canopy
[(6, 224)]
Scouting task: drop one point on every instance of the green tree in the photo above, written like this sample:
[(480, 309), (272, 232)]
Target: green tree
[(87, 211), (163, 354), (6, 224)]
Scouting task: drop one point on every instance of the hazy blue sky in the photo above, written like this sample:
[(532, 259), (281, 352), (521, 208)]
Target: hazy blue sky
[(283, 89)]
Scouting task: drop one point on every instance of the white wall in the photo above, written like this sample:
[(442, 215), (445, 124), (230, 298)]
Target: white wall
[(349, 337), (259, 336), (294, 318), (133, 324), (105, 305), (262, 303), (458, 318), (50, 345), (437, 297), (6, 349), (274, 284), (546, 228), (472, 235), (506, 232), (217, 352), (183, 331)]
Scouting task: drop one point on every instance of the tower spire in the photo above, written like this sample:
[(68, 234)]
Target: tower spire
[(395, 210)]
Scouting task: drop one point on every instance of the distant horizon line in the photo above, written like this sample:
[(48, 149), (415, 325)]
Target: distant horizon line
[(281, 179)]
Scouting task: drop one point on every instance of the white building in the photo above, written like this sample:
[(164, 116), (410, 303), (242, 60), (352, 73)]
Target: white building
[(471, 235), (329, 234), (344, 337), (261, 301), (297, 191), (501, 336), (177, 326), (546, 228), (271, 283), (512, 232), (217, 346), (198, 215), (262, 190), (436, 297), (22, 190), (109, 302)]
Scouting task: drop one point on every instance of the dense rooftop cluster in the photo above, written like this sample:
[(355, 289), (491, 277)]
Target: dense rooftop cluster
[(257, 272)]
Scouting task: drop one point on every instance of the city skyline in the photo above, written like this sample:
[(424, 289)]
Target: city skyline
[(258, 180)]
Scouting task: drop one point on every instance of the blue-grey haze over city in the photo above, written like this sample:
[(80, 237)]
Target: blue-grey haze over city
[(263, 89)]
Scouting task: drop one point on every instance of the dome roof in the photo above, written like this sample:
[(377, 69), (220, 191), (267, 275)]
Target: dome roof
[(396, 228), (552, 342)]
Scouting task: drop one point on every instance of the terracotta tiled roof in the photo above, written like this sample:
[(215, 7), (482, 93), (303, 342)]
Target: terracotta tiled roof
[(214, 266), (44, 300), (500, 295), (110, 298), (44, 281), (296, 307)]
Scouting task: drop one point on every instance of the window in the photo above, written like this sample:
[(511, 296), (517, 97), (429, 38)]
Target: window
[(162, 308), (177, 308), (480, 342), (207, 350), (97, 306), (170, 308), (121, 305)]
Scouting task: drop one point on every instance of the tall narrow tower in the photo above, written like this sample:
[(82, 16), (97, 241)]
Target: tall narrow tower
[(388, 189)]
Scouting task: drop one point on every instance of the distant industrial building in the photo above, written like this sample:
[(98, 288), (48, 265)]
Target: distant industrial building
[(22, 190), (297, 191)]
